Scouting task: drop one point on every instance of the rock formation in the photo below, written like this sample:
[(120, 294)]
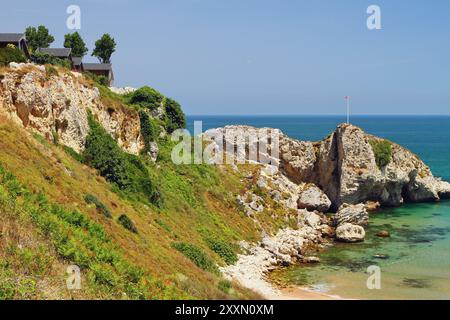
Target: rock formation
[(344, 167), (348, 232), (57, 104)]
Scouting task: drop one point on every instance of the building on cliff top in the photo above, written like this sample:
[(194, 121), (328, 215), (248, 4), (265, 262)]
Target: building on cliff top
[(17, 39), (101, 69)]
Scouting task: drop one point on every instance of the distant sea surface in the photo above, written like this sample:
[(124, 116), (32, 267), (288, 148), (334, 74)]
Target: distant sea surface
[(416, 262)]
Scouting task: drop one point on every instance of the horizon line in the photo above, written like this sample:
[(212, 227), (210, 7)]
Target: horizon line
[(317, 115)]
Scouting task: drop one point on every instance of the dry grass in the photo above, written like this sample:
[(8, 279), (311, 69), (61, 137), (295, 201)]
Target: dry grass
[(47, 168)]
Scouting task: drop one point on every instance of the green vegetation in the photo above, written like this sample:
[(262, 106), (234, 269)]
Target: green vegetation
[(126, 222), (225, 286), (223, 249), (104, 48), (196, 214), (383, 152), (197, 256), (8, 55), (149, 129), (76, 43), (101, 208), (45, 58), (126, 171), (38, 37), (175, 118), (147, 98), (77, 240)]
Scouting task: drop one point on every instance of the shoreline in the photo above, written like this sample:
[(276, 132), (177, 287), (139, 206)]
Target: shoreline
[(302, 293)]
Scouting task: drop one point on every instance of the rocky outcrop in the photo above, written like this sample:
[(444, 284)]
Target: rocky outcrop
[(312, 198), (344, 167), (354, 214), (53, 104), (286, 247), (348, 232)]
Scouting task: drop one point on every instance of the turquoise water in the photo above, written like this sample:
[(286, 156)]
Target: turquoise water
[(416, 258)]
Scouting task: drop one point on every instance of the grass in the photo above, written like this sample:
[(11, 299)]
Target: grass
[(71, 230), (382, 150)]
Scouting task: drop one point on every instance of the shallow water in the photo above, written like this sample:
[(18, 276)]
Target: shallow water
[(416, 262)]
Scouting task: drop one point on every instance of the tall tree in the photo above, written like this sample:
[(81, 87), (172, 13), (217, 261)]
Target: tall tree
[(104, 48), (38, 38), (77, 44)]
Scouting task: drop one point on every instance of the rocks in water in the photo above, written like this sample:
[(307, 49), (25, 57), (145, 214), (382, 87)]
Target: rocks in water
[(354, 214), (348, 232), (383, 234), (312, 198), (381, 256), (311, 260), (372, 206)]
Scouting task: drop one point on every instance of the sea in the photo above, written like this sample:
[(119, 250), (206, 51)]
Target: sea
[(414, 263)]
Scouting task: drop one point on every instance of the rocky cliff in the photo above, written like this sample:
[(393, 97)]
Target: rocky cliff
[(344, 167), (55, 103)]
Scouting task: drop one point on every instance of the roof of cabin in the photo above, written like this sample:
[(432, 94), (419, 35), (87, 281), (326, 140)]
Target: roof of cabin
[(57, 52), (11, 37)]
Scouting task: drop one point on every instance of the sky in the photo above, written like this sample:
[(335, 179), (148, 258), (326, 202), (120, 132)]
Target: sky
[(266, 57)]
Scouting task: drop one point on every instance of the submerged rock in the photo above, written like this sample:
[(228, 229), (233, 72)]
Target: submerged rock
[(383, 234), (348, 232)]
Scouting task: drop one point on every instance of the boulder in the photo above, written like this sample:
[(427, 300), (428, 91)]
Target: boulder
[(383, 234), (348, 232), (312, 198), (354, 214)]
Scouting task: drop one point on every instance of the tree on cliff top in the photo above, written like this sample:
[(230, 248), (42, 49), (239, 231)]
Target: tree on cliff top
[(38, 38), (104, 48), (76, 43)]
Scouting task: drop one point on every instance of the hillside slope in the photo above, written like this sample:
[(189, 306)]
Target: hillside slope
[(57, 211)]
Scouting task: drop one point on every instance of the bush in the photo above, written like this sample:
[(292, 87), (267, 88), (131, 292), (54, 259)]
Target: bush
[(175, 118), (45, 58), (8, 55), (127, 223), (124, 170), (103, 81), (147, 98), (383, 152), (223, 249), (75, 155), (148, 129), (225, 286), (101, 208), (197, 256)]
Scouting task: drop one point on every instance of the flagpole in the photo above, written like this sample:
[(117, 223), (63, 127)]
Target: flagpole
[(348, 110)]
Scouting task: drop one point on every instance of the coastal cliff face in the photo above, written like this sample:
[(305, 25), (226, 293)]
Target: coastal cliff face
[(57, 105), (344, 167)]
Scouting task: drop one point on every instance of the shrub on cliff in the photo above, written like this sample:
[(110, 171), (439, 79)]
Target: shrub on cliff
[(127, 223), (223, 249), (175, 118), (383, 152), (124, 170), (8, 55), (197, 256), (149, 129), (146, 97), (101, 208), (45, 58)]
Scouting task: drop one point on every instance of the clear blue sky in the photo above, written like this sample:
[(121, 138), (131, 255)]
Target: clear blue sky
[(266, 56)]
